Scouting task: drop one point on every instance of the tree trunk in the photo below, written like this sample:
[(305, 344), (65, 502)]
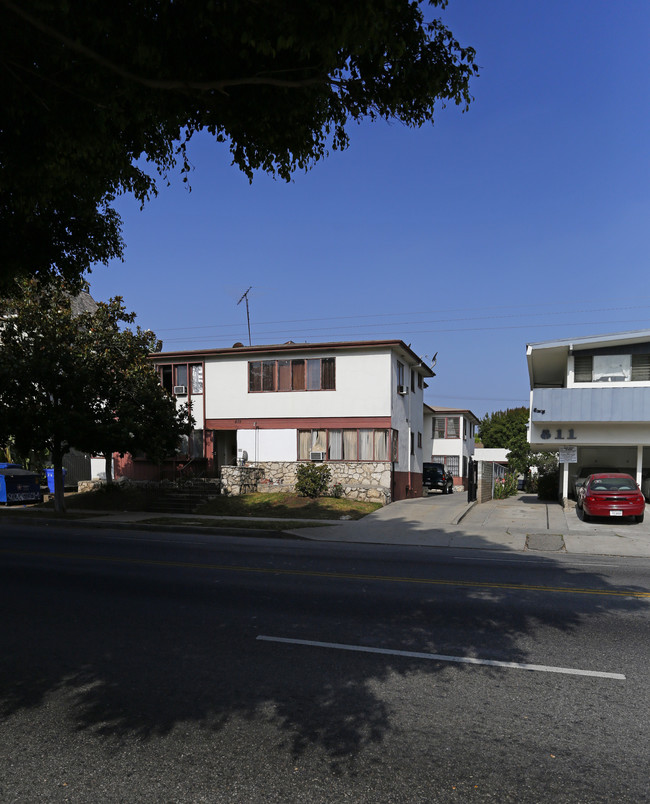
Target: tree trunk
[(108, 458), (59, 499)]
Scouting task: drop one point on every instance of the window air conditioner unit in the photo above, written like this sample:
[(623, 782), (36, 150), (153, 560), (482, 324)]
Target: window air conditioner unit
[(180, 390), (316, 456), (402, 389)]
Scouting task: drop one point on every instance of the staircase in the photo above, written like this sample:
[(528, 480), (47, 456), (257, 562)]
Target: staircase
[(183, 498)]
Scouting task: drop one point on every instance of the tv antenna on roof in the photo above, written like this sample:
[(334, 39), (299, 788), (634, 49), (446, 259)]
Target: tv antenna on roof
[(248, 318)]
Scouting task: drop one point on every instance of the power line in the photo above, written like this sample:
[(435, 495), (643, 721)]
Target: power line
[(409, 314), (316, 333)]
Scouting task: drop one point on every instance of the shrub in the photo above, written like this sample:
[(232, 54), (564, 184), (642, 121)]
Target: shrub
[(530, 484), (337, 491), (312, 479), (548, 485), (505, 486)]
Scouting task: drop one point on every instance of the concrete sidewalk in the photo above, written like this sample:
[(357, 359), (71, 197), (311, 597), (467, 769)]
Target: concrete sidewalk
[(520, 523)]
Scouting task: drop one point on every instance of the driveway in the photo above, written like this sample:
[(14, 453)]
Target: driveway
[(522, 523)]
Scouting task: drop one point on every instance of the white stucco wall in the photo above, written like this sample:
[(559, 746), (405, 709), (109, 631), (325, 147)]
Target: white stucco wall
[(269, 445), (496, 454), (362, 389), (407, 416)]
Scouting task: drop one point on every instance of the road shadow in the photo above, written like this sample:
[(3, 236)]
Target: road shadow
[(140, 653)]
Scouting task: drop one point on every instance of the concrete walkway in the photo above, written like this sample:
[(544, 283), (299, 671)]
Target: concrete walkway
[(520, 523)]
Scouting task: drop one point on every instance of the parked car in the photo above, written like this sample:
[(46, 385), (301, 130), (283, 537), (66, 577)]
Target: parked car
[(581, 478), (434, 476), (611, 494)]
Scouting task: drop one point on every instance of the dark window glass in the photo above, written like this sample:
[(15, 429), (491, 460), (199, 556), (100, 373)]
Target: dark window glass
[(166, 374), (197, 443), (582, 366), (268, 375), (394, 450), (328, 378), (641, 368), (255, 376)]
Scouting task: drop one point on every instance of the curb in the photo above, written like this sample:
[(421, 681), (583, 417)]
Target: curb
[(215, 530)]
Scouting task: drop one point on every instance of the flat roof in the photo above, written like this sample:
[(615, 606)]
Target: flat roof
[(633, 336)]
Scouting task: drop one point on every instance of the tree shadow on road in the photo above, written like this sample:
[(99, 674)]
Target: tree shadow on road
[(155, 652)]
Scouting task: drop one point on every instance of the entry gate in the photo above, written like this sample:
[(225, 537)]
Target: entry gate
[(472, 480)]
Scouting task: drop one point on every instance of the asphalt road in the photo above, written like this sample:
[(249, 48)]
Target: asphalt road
[(153, 667)]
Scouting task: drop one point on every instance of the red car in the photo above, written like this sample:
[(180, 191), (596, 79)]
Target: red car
[(611, 494)]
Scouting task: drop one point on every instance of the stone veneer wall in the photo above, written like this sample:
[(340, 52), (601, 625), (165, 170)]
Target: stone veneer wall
[(367, 481)]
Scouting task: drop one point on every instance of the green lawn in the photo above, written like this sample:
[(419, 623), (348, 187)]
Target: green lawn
[(286, 506)]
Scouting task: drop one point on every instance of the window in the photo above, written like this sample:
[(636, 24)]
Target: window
[(641, 368), (420, 381), (446, 427), (167, 378), (314, 374), (412, 443), (451, 463), (344, 445), (196, 373), (400, 373), (611, 368), (178, 375), (412, 381), (261, 375), (181, 375), (582, 368), (419, 440), (191, 446)]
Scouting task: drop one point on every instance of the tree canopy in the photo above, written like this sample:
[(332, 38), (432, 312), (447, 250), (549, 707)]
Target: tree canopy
[(507, 429), (75, 377), (99, 99)]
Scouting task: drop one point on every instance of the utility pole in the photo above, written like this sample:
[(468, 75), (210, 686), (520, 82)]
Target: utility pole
[(248, 318)]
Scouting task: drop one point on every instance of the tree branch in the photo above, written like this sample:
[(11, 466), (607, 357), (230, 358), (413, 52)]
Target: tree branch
[(159, 83)]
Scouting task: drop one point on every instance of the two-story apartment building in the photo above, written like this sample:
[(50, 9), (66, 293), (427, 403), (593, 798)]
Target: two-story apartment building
[(449, 439), (592, 393), (357, 406)]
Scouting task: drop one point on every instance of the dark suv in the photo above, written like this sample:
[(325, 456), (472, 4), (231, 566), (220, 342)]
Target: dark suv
[(434, 476)]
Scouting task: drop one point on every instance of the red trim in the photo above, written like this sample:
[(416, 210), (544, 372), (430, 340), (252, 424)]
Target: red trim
[(406, 485), (313, 423)]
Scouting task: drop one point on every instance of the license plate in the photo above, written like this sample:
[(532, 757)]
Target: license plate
[(616, 513)]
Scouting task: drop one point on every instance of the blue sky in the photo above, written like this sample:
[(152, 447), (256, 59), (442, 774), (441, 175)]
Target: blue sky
[(525, 219)]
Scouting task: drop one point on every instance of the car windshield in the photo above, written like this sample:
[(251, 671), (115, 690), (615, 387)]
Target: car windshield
[(613, 484)]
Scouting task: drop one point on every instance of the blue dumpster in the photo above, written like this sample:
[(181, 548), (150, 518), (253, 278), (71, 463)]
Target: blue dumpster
[(50, 478), (18, 484)]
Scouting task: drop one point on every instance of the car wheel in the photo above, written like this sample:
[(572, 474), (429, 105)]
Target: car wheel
[(585, 516), (639, 518)]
